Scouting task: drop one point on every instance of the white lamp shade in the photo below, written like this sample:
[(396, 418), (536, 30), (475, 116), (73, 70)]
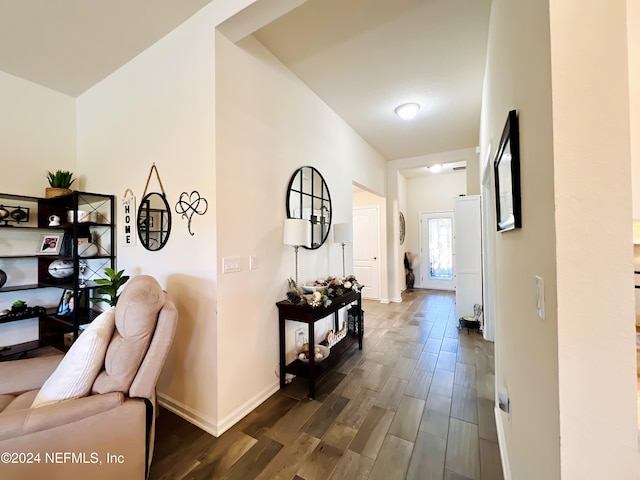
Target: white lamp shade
[(343, 233), (297, 232)]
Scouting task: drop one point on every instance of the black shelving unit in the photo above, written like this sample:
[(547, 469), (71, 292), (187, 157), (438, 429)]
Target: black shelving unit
[(85, 217)]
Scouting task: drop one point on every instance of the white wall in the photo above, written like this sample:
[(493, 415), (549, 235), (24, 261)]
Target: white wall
[(633, 55), (592, 171), (404, 207), (268, 124), (518, 77), (160, 107), (37, 134), (430, 194)]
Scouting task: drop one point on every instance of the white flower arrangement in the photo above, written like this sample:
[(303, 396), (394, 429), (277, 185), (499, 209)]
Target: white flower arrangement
[(331, 287)]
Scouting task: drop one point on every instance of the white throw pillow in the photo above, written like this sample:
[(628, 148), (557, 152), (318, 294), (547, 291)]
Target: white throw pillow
[(80, 366)]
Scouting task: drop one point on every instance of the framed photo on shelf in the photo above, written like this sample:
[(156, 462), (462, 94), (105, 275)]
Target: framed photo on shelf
[(66, 305), (50, 244), (507, 176)]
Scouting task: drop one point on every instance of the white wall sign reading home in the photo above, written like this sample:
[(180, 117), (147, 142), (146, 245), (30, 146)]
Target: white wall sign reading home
[(129, 216)]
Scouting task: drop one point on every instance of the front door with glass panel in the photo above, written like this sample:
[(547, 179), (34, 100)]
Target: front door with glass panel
[(436, 251)]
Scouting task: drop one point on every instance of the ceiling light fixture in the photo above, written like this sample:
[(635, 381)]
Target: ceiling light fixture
[(437, 168), (407, 111)]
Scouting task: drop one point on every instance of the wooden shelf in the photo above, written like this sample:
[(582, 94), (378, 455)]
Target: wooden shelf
[(13, 352), (301, 369)]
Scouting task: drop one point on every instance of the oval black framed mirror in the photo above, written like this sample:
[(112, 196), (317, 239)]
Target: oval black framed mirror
[(154, 221), (308, 197)]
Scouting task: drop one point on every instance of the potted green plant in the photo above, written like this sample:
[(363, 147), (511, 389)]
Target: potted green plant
[(18, 306), (59, 182), (109, 286)]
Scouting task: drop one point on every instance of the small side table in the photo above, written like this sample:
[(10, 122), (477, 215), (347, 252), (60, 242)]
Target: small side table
[(308, 315)]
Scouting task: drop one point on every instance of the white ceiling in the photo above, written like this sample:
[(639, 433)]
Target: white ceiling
[(362, 57), (70, 45), (366, 57)]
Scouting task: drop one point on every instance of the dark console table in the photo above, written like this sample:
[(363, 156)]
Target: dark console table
[(308, 315)]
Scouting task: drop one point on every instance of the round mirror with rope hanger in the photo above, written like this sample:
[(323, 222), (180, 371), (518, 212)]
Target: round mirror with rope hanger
[(154, 216)]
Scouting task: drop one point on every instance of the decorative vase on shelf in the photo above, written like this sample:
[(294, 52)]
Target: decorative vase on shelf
[(52, 192)]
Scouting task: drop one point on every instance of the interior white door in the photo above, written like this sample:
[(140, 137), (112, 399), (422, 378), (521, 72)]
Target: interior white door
[(366, 250), (437, 259)]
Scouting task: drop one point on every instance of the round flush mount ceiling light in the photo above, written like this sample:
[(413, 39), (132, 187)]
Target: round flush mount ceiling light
[(407, 111), (437, 168)]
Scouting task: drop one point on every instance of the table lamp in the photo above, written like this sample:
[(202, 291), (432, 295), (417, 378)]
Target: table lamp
[(343, 234), (297, 232)]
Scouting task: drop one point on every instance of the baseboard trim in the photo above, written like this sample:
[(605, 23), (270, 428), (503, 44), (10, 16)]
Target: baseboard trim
[(397, 300), (243, 410), (189, 414), (504, 453), (384, 300), (209, 425)]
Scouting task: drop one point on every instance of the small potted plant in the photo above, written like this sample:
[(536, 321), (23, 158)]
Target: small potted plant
[(19, 306), (109, 286), (60, 181)]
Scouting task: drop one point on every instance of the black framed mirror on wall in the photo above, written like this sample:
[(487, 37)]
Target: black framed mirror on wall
[(154, 221), (308, 198)]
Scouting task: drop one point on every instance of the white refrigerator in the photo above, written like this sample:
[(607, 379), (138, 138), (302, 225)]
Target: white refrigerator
[(468, 250)]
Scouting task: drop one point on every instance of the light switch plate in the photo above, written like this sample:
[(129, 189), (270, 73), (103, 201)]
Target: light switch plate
[(253, 263), (230, 264), (540, 296)]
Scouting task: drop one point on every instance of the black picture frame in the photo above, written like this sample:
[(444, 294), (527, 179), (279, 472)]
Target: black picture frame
[(506, 168), (66, 306)]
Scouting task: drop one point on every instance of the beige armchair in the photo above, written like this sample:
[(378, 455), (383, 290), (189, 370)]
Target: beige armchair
[(107, 434)]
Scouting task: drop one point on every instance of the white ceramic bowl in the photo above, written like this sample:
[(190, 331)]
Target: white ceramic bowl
[(323, 350)]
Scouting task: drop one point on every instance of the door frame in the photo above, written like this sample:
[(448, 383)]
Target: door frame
[(449, 285), (488, 250)]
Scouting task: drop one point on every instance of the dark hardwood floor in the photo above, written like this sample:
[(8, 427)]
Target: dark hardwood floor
[(416, 403)]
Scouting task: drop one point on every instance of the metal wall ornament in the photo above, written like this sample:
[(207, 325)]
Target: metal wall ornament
[(402, 228), (15, 214), (154, 216), (190, 204)]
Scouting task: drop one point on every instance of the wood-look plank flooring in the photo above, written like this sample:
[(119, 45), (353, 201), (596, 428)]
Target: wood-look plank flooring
[(416, 403)]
